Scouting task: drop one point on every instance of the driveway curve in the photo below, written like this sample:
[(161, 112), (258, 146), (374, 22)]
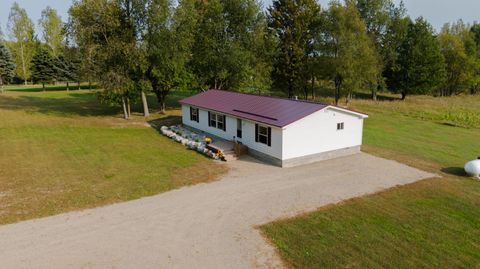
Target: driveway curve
[(203, 226)]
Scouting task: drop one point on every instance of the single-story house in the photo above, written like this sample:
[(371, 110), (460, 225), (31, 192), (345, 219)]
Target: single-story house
[(280, 131)]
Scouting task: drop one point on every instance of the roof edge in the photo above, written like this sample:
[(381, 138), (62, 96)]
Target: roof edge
[(347, 110), (231, 115)]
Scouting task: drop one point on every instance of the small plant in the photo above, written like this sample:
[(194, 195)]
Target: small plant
[(220, 155)]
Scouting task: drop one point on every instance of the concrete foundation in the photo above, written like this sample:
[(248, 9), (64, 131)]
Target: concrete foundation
[(305, 159), (290, 162), (264, 157), (320, 156)]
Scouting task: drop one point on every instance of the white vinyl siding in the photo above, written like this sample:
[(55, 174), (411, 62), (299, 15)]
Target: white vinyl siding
[(247, 127), (319, 132), (313, 134)]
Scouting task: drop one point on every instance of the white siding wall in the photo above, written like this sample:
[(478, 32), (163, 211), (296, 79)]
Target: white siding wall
[(318, 133), (248, 139), (248, 132)]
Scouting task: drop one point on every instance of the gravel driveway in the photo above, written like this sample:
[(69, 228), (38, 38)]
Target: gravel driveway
[(202, 226)]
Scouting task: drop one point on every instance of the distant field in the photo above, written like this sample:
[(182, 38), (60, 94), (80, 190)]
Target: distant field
[(429, 224), (64, 150)]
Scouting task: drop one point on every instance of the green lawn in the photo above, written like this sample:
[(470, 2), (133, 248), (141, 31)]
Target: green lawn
[(430, 224), (64, 150)]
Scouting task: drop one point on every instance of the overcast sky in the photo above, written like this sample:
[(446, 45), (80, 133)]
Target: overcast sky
[(437, 12)]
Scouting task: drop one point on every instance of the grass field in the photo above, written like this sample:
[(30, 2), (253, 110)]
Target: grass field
[(430, 224), (62, 151)]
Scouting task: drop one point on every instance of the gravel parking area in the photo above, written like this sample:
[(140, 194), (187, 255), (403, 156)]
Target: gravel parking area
[(203, 226)]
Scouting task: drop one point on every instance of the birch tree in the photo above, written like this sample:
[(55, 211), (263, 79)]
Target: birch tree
[(21, 32), (53, 33)]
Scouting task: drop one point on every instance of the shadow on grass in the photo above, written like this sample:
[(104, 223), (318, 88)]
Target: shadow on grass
[(380, 97), (84, 103), (456, 171), (165, 121), (80, 104), (51, 88), (328, 92)]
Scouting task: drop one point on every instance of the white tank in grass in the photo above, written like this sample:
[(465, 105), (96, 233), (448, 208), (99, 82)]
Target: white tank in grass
[(473, 168)]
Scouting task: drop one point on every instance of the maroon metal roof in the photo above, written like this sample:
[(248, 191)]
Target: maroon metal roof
[(273, 111)]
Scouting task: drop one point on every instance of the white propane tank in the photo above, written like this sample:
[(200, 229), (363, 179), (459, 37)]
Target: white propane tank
[(473, 168)]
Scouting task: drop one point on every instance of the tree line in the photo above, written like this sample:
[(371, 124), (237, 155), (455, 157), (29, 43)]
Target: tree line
[(132, 47), (24, 57)]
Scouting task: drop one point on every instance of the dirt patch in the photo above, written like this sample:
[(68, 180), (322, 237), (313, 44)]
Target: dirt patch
[(204, 172)]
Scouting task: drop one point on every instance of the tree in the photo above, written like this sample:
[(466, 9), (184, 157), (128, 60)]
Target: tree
[(132, 17), (212, 48), (169, 39), (458, 47), (21, 32), (72, 58), (53, 30), (295, 24), (43, 67), (394, 36), (106, 31), (345, 38), (421, 63), (7, 66), (225, 51), (377, 15), (65, 70), (247, 25), (475, 30)]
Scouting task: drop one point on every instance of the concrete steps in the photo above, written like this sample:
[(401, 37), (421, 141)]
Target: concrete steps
[(230, 155)]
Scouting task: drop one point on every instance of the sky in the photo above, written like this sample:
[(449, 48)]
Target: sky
[(437, 12)]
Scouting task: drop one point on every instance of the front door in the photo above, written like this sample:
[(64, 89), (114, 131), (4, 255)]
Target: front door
[(239, 128)]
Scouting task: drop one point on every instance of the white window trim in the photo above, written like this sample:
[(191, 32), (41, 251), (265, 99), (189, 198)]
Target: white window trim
[(194, 112), (216, 119), (261, 134)]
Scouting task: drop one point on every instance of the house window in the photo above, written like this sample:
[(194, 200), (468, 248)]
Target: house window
[(263, 134), (216, 121), (194, 114), (239, 128), (340, 126)]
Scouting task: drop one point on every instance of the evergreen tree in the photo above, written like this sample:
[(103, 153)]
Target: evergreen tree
[(421, 63), (66, 70), (74, 63), (475, 29), (295, 24), (7, 66), (43, 67)]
